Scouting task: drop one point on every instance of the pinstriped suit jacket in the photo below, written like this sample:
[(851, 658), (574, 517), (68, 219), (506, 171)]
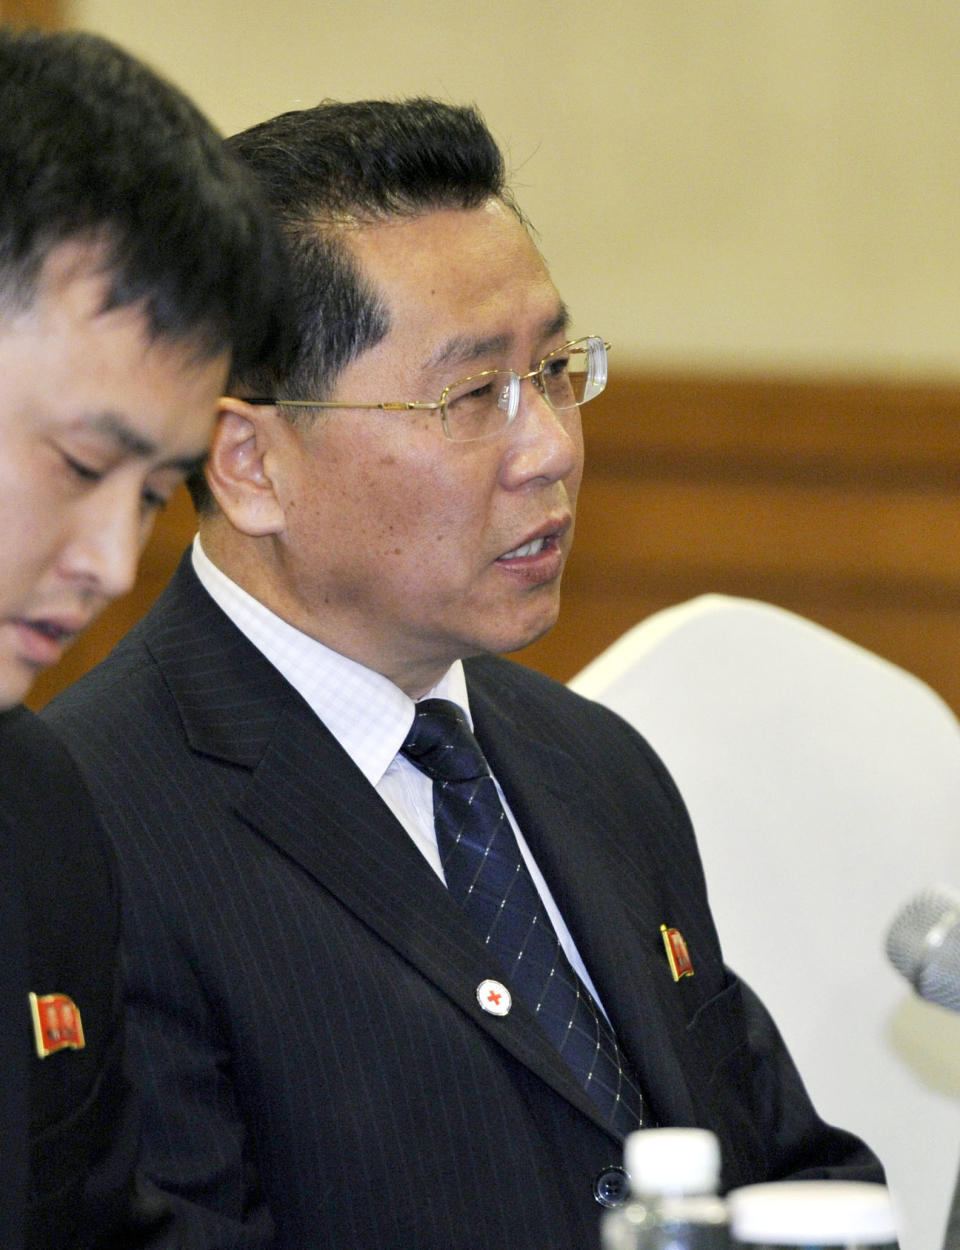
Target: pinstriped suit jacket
[(316, 1069)]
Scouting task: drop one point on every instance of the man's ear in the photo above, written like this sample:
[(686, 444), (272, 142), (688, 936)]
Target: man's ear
[(238, 470)]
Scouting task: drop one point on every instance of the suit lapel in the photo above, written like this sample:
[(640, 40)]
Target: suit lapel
[(567, 818), (307, 797)]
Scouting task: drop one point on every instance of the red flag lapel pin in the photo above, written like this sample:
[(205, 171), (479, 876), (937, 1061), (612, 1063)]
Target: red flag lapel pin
[(678, 957), (56, 1024)]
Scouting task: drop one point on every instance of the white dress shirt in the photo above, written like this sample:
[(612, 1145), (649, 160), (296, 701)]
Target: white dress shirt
[(370, 717)]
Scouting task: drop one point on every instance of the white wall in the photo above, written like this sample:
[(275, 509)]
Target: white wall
[(771, 184)]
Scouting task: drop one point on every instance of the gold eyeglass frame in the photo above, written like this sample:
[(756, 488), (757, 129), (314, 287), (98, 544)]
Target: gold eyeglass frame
[(535, 376)]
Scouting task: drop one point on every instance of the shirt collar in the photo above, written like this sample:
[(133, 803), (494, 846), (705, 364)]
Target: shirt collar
[(368, 715)]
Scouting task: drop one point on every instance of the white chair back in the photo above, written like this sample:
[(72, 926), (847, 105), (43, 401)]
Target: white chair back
[(824, 786)]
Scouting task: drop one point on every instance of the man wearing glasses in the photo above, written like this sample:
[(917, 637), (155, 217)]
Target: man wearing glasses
[(394, 983)]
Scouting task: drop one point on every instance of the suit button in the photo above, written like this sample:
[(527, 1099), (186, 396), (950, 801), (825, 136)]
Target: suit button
[(611, 1187)]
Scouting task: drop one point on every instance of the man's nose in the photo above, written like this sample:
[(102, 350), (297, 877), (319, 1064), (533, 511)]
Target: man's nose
[(104, 547), (547, 443)]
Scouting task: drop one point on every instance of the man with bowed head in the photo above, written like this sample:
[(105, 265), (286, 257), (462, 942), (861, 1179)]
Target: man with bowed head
[(137, 259), (395, 906)]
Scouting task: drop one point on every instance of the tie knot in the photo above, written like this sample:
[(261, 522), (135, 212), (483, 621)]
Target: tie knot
[(441, 745)]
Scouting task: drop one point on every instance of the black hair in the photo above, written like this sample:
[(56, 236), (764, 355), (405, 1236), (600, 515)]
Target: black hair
[(357, 163), (96, 148)]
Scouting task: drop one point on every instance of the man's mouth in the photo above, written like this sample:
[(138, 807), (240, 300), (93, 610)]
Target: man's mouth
[(49, 629), (532, 548), (44, 639)]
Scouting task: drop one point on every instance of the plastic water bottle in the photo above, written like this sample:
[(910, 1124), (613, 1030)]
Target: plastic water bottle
[(674, 1175), (817, 1215)]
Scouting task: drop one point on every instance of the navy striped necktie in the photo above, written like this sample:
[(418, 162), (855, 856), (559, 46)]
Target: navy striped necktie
[(486, 874)]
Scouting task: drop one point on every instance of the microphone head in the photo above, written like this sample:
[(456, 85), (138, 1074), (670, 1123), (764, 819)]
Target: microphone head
[(923, 944)]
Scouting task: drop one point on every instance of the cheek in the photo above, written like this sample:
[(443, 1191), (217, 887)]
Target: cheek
[(29, 524), (409, 501), (369, 511), (405, 527), (350, 520), (435, 517)]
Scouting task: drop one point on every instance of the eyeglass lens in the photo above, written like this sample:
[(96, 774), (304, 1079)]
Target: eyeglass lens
[(484, 404)]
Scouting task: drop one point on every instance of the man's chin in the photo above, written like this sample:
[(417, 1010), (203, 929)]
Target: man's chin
[(527, 637)]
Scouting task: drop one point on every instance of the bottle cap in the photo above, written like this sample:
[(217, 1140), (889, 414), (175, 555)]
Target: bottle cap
[(826, 1213), (672, 1161)]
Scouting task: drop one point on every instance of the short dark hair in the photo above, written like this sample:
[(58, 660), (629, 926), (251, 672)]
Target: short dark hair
[(360, 163), (95, 148)]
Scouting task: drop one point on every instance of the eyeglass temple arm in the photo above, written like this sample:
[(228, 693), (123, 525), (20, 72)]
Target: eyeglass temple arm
[(273, 401)]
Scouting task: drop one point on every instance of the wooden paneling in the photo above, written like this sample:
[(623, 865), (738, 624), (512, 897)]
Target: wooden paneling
[(837, 500), (44, 14)]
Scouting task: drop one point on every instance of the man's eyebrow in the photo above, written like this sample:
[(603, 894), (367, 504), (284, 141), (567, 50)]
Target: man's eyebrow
[(462, 349), (132, 443)]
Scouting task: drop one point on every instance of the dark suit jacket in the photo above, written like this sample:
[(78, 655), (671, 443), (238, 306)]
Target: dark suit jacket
[(317, 1070), (66, 1115)]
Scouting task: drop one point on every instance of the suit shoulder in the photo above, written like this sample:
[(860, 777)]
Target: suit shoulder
[(122, 701), (25, 741), (39, 781), (45, 805), (524, 692), (600, 741), (118, 676), (506, 678)]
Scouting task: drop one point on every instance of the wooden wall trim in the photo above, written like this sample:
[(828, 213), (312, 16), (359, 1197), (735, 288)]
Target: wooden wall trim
[(857, 429), (44, 14)]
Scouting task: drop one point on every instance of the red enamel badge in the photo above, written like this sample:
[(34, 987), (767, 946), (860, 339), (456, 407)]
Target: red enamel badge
[(678, 957), (56, 1024)]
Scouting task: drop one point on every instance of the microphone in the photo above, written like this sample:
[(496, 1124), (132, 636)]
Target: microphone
[(923, 944)]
